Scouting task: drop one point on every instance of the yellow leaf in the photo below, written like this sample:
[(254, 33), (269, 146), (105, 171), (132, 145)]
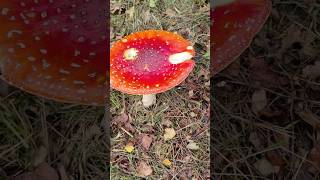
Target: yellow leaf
[(167, 162), (169, 133), (129, 148)]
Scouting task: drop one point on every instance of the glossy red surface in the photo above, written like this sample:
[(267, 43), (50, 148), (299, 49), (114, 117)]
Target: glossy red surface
[(150, 72), (56, 50), (234, 25)]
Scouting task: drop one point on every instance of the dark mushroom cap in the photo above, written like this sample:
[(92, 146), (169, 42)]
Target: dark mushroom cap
[(140, 62), (55, 49), (234, 25)]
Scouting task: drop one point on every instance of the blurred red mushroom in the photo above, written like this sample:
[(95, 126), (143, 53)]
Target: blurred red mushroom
[(234, 25), (150, 62), (55, 49)]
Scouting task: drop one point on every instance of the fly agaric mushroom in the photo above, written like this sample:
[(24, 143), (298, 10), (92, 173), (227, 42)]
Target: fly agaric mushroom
[(150, 62), (55, 49), (234, 25)]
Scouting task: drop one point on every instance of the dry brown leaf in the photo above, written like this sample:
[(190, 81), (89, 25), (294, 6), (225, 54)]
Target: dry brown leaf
[(312, 71), (310, 118), (40, 156), (146, 141), (43, 171), (314, 155), (264, 167), (259, 101), (255, 140), (143, 169), (276, 160), (123, 121)]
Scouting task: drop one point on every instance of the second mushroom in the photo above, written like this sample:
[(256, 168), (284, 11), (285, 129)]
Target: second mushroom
[(150, 62)]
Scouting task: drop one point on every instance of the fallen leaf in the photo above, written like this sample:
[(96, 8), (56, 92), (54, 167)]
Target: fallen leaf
[(312, 71), (310, 118), (167, 162), (123, 121), (169, 133), (143, 169), (43, 171), (315, 156), (146, 141), (259, 101), (255, 140), (276, 160), (264, 167), (40, 156), (129, 148), (193, 146)]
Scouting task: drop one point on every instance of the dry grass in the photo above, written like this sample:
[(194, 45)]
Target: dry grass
[(179, 108), (34, 130), (279, 133)]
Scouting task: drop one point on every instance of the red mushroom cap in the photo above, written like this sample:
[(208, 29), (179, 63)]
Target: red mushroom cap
[(234, 25), (55, 49), (140, 62)]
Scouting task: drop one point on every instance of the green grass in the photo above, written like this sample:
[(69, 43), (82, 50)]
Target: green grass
[(191, 20), (71, 135), (35, 130)]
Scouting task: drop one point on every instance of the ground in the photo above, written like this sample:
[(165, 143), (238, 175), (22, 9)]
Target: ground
[(184, 109), (265, 106), (41, 136)]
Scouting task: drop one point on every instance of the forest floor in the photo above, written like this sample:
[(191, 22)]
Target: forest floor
[(182, 112), (53, 139), (266, 105)]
